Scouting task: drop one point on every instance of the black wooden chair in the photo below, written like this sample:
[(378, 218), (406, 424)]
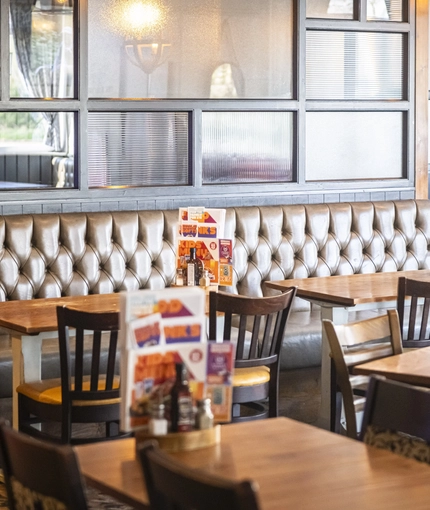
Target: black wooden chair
[(76, 398), (259, 333), (39, 474), (172, 485), (416, 294), (397, 418)]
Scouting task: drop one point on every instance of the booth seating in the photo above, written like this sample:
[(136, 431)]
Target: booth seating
[(52, 255)]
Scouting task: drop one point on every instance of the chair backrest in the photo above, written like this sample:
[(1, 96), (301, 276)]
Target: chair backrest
[(89, 328), (397, 418), (42, 473), (417, 295), (357, 342), (173, 486), (262, 318)]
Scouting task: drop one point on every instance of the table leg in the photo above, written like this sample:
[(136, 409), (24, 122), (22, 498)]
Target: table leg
[(26, 365), (338, 315)]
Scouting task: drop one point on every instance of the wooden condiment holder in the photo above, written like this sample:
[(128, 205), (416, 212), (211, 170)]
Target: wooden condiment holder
[(182, 441)]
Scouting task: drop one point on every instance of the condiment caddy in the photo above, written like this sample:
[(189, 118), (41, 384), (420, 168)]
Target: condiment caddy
[(186, 428)]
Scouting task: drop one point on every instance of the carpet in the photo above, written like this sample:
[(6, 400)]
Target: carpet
[(96, 500)]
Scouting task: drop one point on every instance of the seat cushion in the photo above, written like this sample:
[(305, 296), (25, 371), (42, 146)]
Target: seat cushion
[(251, 376), (48, 391)]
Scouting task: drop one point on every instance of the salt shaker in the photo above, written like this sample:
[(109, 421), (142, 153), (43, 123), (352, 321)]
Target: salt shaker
[(204, 415), (157, 423)]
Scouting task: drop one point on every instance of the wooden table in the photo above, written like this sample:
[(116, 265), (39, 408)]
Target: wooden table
[(296, 466), (337, 295), (412, 367), (32, 321)]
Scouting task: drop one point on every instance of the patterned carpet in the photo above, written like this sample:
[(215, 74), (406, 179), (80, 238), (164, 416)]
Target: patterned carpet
[(96, 500)]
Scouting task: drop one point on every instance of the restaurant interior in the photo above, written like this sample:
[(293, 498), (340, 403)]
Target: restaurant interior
[(214, 254)]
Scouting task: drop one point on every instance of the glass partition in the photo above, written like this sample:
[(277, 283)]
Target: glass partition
[(137, 149), (188, 49), (354, 145), (244, 147)]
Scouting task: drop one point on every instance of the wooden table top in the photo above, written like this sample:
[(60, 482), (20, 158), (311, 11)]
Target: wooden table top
[(350, 290), (412, 367), (295, 465), (34, 316)]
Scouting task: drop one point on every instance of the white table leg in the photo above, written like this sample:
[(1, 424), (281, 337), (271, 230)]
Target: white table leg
[(26, 365), (338, 315)]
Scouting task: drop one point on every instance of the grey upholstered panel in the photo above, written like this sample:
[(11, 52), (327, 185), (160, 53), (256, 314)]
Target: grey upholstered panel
[(80, 253)]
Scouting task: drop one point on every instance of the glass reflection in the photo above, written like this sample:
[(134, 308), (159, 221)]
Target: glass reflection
[(36, 150), (41, 42), (180, 44)]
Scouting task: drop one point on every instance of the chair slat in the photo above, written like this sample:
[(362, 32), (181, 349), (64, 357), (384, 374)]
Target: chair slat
[(79, 359), (95, 361)]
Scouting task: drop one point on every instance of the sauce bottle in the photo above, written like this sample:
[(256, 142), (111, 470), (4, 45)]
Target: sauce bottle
[(193, 269), (181, 404)]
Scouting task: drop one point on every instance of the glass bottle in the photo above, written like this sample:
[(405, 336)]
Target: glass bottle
[(204, 415), (205, 280), (181, 404), (193, 269), (157, 423), (179, 277)]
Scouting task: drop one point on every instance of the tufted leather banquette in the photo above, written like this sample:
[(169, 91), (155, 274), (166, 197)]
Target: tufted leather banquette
[(51, 255)]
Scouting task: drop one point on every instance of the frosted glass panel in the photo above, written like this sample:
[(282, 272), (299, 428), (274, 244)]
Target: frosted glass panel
[(385, 10), (247, 147), (198, 49), (41, 44), (351, 65), (137, 149), (340, 9), (354, 145)]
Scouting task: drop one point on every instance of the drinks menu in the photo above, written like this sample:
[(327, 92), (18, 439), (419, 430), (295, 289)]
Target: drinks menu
[(203, 229)]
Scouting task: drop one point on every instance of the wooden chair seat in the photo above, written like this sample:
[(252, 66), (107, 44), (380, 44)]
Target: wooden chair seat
[(251, 376), (48, 391)]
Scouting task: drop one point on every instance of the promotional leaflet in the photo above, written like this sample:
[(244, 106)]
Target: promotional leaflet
[(203, 229), (158, 330)]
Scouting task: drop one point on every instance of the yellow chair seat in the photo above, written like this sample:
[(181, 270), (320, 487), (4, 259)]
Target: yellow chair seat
[(251, 376), (48, 391)]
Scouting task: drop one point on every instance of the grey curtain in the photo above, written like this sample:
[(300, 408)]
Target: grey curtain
[(46, 80)]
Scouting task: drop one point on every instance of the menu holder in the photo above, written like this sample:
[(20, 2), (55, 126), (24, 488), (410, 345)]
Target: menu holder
[(182, 441)]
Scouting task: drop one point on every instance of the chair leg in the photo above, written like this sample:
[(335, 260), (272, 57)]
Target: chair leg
[(338, 412), (112, 429), (235, 411), (274, 395), (333, 397)]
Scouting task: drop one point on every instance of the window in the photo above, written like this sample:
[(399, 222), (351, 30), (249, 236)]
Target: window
[(205, 100)]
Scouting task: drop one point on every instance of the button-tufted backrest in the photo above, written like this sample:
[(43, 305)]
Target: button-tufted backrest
[(300, 241), (52, 255)]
